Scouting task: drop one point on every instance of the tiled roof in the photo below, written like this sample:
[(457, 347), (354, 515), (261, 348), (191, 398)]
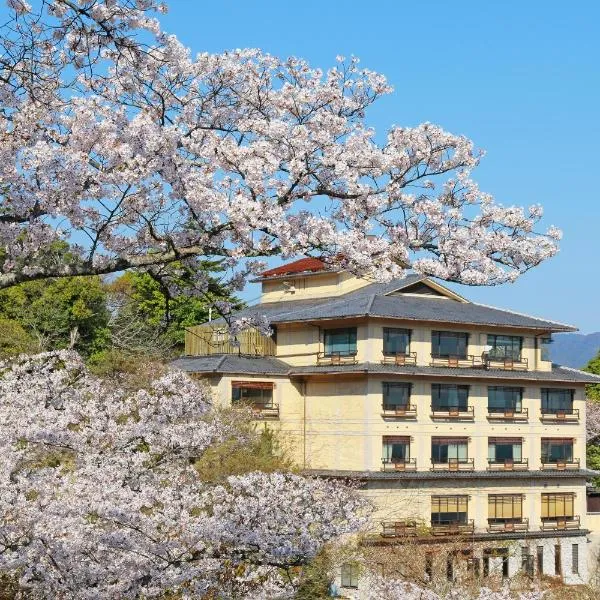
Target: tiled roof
[(267, 365), (230, 363), (374, 300), (303, 265), (391, 475), (557, 374)]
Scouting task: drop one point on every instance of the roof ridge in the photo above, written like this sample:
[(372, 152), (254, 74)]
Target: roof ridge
[(581, 371), (522, 314)]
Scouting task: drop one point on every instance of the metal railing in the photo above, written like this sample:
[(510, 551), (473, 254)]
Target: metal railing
[(559, 523), (336, 358), (466, 412), (396, 464), (399, 358), (467, 361), (265, 410), (392, 529), (508, 526), (560, 465), (508, 464), (505, 363), (454, 464), (453, 528), (559, 415), (397, 411), (509, 413)]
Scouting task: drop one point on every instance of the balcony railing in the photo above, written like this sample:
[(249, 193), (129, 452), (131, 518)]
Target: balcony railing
[(336, 358), (393, 529), (397, 411), (560, 465), (454, 464), (508, 464), (467, 361), (508, 526), (505, 363), (453, 528), (396, 464), (400, 359), (466, 413), (511, 414), (569, 415), (265, 411), (559, 523)]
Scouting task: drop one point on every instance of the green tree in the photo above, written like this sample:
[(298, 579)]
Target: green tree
[(14, 339), (593, 391)]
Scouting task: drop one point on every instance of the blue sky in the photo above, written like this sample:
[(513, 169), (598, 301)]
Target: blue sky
[(519, 78)]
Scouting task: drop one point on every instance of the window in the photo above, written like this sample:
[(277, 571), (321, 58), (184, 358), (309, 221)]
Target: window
[(505, 508), (557, 560), (448, 397), (396, 449), (501, 399), (340, 342), (349, 575), (505, 449), (505, 346), (556, 450), (557, 506), (449, 510), (540, 560), (396, 395), (526, 561), (444, 450), (557, 400), (450, 567), (259, 394), (396, 341), (446, 344), (428, 566), (575, 559)]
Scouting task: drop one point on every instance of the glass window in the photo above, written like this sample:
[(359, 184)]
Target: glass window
[(575, 559), (396, 448), (557, 506), (448, 510), (396, 341), (350, 575), (396, 395), (503, 449), (446, 397), (341, 342), (557, 450), (501, 399), (445, 449), (505, 346), (446, 344), (505, 508), (258, 394), (557, 400)]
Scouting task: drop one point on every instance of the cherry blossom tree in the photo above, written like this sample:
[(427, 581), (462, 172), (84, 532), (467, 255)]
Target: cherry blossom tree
[(119, 142), (99, 497)]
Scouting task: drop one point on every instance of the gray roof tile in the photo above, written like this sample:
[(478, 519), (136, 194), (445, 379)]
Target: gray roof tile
[(231, 363)]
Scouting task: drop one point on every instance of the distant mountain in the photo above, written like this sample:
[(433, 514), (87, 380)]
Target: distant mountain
[(574, 349)]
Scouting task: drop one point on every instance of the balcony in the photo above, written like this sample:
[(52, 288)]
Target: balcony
[(568, 415), (455, 361), (509, 526), (265, 411), (468, 527), (508, 414), (508, 464), (398, 411), (454, 464), (505, 363), (400, 359), (336, 358), (397, 464), (560, 523), (466, 413), (394, 529), (560, 465)]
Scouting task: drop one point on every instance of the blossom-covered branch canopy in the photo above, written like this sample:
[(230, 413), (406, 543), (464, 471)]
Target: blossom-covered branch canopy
[(119, 142)]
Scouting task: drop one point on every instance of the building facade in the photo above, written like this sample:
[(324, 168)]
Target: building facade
[(446, 411)]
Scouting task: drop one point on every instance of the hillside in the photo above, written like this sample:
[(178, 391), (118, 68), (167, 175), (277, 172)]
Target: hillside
[(574, 349)]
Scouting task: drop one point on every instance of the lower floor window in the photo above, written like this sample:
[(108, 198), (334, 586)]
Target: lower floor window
[(350, 575), (506, 508), (449, 510), (396, 449), (557, 506), (575, 559), (258, 394)]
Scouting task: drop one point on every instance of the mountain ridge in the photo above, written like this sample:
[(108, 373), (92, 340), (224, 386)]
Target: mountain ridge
[(574, 349)]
